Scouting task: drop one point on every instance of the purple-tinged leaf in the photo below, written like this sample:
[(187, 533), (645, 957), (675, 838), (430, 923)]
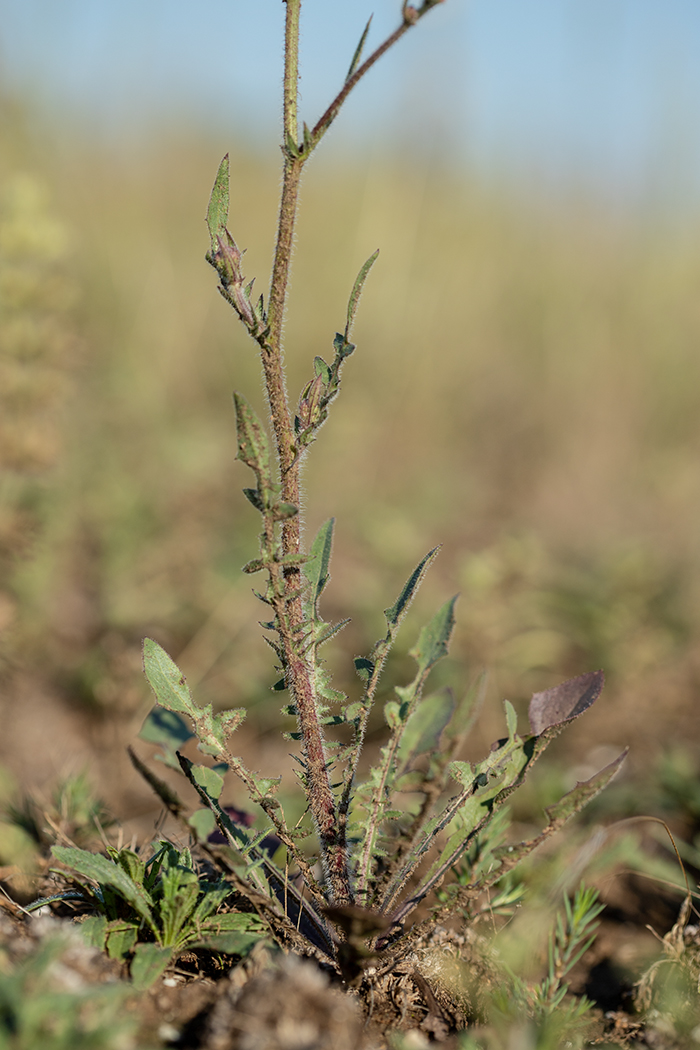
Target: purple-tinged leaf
[(553, 707)]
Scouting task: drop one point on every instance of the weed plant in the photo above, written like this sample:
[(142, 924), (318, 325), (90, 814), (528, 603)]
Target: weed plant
[(386, 841)]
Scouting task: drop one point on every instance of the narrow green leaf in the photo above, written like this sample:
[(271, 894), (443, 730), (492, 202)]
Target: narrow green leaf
[(149, 963), (358, 50), (217, 212), (434, 638), (357, 291), (316, 567), (253, 448), (398, 610), (579, 796), (511, 718), (291, 147)]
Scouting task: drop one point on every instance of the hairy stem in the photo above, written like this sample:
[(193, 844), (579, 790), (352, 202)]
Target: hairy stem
[(298, 663), (290, 618)]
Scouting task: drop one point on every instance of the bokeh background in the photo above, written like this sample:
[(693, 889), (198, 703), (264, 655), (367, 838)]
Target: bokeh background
[(526, 388)]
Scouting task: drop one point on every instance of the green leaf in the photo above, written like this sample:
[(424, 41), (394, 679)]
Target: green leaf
[(358, 50), (203, 823), (267, 786), (180, 889), (254, 497), (398, 610), (364, 667), (149, 963), (234, 942), (392, 714), (94, 931), (579, 796), (283, 511), (120, 938), (211, 780), (172, 692), (425, 726), (357, 291), (434, 638), (217, 212), (322, 369), (253, 447), (105, 873), (166, 679), (511, 718), (316, 567), (291, 147), (131, 863)]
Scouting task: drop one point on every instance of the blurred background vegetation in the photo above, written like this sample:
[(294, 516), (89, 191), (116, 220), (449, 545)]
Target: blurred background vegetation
[(526, 391)]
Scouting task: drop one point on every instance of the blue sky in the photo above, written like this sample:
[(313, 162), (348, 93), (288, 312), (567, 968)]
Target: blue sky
[(602, 92)]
